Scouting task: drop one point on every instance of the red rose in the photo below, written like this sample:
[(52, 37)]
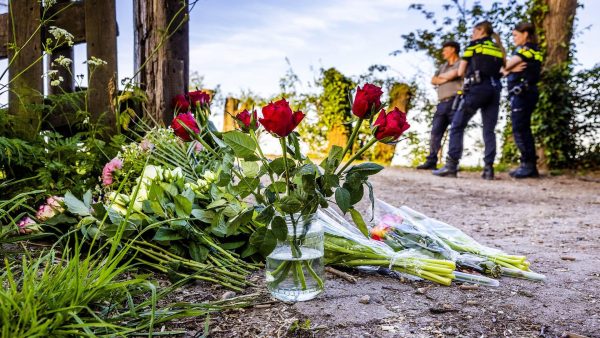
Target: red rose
[(367, 101), (188, 120), (247, 121), (199, 97), (279, 119), (180, 104), (389, 127)]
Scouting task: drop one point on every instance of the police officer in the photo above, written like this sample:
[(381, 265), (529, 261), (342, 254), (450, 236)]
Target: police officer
[(523, 72), (448, 85), (481, 63)]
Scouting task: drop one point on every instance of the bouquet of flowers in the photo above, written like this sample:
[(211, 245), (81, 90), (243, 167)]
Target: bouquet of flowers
[(469, 253), (297, 187)]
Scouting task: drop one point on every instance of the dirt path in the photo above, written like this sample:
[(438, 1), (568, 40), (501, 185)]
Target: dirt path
[(554, 221)]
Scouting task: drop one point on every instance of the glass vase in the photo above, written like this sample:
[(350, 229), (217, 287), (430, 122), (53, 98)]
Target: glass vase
[(295, 270)]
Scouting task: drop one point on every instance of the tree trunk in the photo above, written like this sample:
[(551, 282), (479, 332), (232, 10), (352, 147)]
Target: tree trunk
[(557, 31), (162, 53)]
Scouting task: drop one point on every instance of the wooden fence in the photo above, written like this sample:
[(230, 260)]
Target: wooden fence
[(165, 71)]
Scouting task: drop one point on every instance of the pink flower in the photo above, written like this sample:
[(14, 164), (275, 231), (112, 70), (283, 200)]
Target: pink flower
[(26, 225), (146, 145), (56, 203), (109, 168), (45, 212), (198, 147)]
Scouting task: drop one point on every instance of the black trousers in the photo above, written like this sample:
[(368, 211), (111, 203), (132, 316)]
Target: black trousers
[(441, 120), (484, 96), (522, 106)]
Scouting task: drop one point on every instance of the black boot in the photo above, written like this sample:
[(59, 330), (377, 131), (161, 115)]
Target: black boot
[(527, 169), (428, 165), (488, 172), (448, 170)]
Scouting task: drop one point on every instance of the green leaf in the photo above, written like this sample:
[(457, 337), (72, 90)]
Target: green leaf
[(333, 159), (242, 145), (198, 252), (75, 206), (62, 219), (87, 198), (206, 216), (277, 187), (263, 240), (279, 228), (166, 234), (232, 245), (269, 243), (265, 215), (183, 206), (366, 169), (278, 165), (290, 204), (358, 220), (250, 169), (342, 199), (216, 204)]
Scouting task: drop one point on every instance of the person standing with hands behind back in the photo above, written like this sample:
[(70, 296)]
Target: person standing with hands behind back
[(481, 63), (523, 73), (448, 84)]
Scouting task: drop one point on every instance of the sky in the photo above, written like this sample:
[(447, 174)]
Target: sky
[(243, 44)]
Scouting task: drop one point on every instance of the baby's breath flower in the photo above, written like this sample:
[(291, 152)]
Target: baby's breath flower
[(62, 61), (95, 62), (59, 33)]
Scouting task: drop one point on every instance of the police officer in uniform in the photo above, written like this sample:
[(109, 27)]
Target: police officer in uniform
[(448, 85), (523, 73), (481, 63)]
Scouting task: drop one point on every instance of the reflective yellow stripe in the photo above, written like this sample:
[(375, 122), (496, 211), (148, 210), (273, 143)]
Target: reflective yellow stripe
[(469, 51), (531, 54), (495, 52), (484, 49)]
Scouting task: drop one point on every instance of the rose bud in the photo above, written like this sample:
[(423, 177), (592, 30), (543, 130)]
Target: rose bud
[(390, 126), (199, 98), (180, 104), (247, 121), (367, 101), (188, 120), (279, 119)]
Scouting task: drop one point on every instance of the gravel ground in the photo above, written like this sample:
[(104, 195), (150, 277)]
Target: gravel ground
[(555, 221)]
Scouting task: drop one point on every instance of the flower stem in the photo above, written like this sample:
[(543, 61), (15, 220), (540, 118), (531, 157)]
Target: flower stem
[(285, 165), (262, 155), (352, 137), (358, 153)]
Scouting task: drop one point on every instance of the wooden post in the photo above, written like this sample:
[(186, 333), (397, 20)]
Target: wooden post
[(101, 37), (231, 108), (165, 65), (400, 96), (26, 87), (67, 85)]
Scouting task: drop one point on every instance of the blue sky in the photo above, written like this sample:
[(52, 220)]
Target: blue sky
[(243, 44)]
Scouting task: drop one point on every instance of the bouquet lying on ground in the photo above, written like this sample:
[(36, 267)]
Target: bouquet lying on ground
[(406, 228), (347, 247)]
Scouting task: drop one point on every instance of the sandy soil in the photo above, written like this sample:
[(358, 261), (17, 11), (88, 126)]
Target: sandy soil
[(554, 220)]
